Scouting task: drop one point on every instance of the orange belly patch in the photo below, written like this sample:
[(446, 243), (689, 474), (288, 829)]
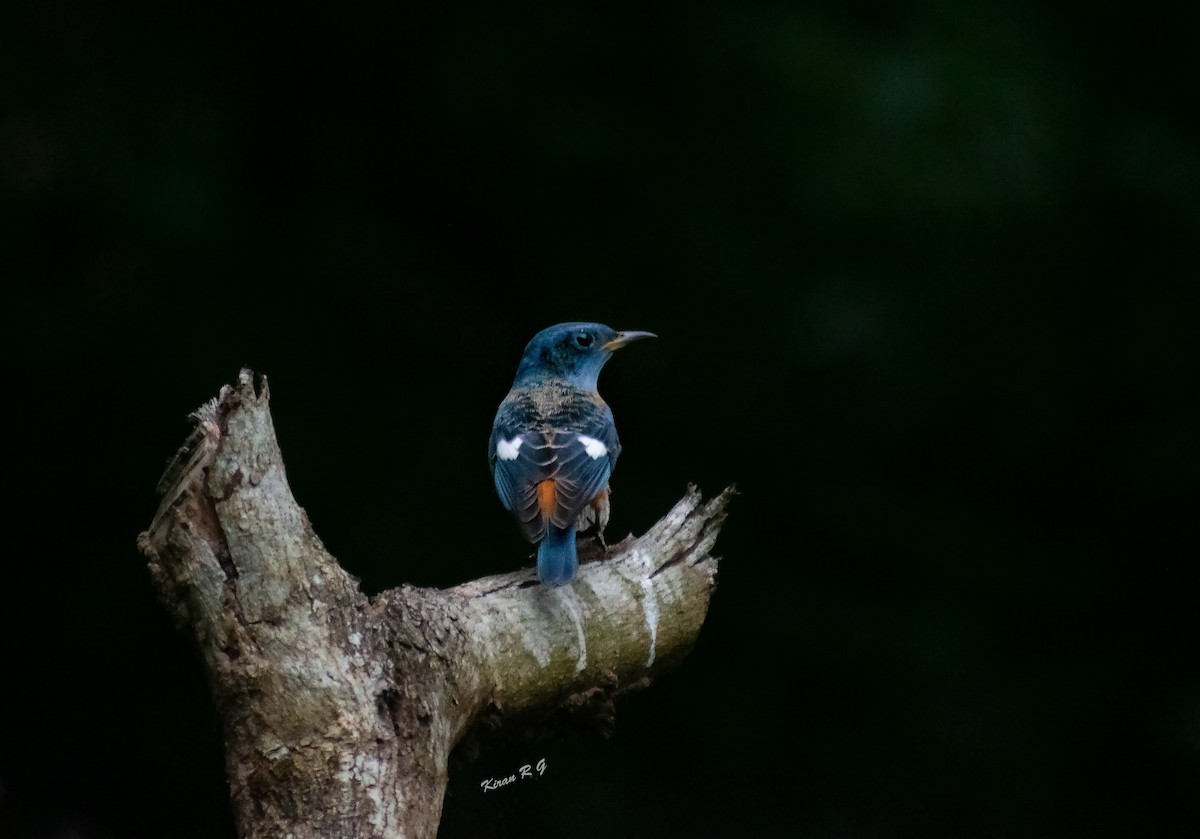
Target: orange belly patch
[(547, 497)]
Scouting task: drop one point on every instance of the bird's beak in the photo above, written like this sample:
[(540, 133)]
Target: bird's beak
[(624, 338)]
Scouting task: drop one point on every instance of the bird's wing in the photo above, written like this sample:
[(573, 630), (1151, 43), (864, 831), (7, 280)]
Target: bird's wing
[(520, 459), (576, 449), (586, 455)]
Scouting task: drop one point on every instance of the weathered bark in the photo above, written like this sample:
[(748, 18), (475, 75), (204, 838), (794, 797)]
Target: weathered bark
[(340, 710)]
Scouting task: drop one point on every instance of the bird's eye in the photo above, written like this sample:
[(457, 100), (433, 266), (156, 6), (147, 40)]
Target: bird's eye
[(584, 340)]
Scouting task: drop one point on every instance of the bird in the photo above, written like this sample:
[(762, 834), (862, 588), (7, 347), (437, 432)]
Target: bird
[(554, 445)]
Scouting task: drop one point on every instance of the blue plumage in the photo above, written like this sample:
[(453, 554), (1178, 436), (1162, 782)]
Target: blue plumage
[(554, 444), (557, 559)]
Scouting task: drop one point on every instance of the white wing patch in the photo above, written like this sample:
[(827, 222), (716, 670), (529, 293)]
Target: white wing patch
[(594, 447), (507, 449)]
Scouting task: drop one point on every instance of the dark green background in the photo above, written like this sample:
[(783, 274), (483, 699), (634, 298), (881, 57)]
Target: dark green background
[(925, 280)]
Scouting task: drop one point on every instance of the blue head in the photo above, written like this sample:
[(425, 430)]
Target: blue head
[(572, 351)]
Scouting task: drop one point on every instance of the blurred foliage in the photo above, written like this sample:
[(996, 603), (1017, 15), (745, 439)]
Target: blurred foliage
[(924, 277)]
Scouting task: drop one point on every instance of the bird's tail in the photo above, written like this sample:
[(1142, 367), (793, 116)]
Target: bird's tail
[(557, 561)]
